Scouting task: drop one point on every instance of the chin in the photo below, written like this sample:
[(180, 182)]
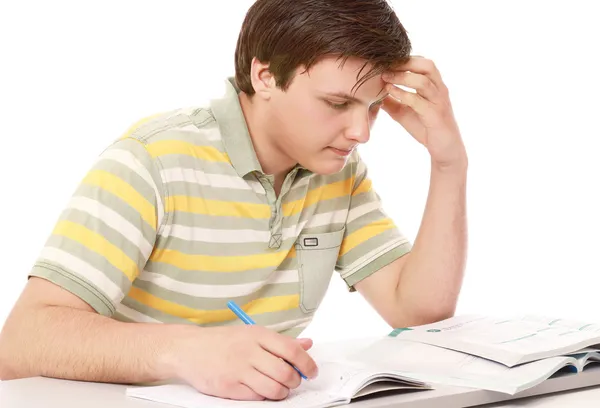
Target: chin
[(326, 167)]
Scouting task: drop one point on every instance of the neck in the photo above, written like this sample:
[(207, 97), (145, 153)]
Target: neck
[(271, 158)]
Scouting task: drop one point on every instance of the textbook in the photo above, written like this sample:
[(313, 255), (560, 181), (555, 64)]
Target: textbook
[(338, 383), (498, 354), (440, 366), (510, 341)]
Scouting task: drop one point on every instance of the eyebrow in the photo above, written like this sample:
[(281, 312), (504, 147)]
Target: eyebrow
[(349, 97)]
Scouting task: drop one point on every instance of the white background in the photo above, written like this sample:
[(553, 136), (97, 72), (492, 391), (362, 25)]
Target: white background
[(524, 80)]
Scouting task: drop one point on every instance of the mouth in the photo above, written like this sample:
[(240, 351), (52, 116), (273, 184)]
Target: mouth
[(341, 152)]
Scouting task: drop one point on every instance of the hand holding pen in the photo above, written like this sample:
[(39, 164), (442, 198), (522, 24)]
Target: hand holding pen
[(248, 320), (240, 362)]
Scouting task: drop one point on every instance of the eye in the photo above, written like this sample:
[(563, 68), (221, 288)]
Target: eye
[(338, 106)]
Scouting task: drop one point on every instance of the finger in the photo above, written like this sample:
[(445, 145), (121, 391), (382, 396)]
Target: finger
[(404, 114), (243, 393), (305, 343), (277, 369), (231, 390), (265, 386), (395, 107), (419, 104), (423, 66), (290, 350), (419, 82)]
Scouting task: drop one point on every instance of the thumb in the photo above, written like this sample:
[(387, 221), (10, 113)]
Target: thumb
[(305, 343)]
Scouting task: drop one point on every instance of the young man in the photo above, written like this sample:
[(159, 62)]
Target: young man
[(257, 198)]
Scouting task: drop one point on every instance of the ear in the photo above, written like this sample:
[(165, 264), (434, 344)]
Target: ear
[(263, 81)]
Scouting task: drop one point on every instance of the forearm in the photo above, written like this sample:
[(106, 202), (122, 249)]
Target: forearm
[(61, 342), (431, 278)]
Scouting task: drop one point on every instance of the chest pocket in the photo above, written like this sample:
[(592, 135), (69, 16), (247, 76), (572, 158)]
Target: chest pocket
[(317, 255)]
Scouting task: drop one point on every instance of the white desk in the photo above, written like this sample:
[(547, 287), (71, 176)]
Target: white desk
[(52, 393)]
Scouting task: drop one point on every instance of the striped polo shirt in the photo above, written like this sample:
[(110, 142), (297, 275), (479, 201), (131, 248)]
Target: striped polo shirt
[(176, 218)]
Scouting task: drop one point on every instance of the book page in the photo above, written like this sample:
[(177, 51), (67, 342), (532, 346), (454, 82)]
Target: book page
[(346, 379), (336, 382), (187, 397), (508, 341), (572, 324), (442, 366), (586, 358)]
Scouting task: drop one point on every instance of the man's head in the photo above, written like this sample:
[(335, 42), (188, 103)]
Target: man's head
[(313, 68)]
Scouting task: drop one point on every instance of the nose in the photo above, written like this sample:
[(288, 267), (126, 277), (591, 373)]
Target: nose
[(359, 128)]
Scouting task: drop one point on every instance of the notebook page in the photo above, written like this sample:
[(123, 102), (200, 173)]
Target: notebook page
[(187, 397), (509, 341), (442, 366), (334, 383)]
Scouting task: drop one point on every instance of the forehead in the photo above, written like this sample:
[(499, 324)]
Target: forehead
[(330, 75)]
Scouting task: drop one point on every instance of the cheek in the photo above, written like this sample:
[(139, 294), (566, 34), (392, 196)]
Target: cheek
[(308, 125)]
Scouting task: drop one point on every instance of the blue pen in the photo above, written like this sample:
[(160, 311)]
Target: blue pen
[(248, 320)]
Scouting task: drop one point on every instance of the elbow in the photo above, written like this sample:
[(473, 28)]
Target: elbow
[(421, 317), (9, 358), (6, 372)]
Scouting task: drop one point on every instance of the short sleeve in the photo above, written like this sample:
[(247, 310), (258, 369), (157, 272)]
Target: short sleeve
[(371, 239), (106, 233)]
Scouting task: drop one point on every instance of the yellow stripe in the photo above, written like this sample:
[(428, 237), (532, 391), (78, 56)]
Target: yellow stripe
[(363, 187), (208, 153), (137, 124), (220, 263), (368, 231), (326, 192), (99, 244), (263, 305), (197, 205), (125, 192)]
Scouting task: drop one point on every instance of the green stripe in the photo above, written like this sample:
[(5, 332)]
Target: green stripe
[(297, 193), (224, 249), (161, 124), (128, 176), (118, 205), (203, 118), (98, 226), (138, 149), (218, 278), (72, 282), (171, 161), (196, 190), (95, 259), (380, 240), (364, 220), (364, 198), (376, 264), (221, 222), (208, 303), (195, 137), (323, 228), (263, 319)]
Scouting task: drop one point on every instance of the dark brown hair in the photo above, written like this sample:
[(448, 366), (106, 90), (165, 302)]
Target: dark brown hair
[(292, 33)]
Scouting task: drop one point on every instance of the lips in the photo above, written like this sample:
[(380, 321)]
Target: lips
[(342, 152)]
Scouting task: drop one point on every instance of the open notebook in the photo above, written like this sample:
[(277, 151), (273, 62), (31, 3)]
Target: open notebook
[(510, 341), (436, 365), (338, 383), (499, 354)]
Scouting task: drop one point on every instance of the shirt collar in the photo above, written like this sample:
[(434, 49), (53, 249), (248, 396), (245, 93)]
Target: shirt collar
[(234, 131)]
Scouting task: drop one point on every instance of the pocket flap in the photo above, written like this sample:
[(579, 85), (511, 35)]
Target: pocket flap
[(323, 240)]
